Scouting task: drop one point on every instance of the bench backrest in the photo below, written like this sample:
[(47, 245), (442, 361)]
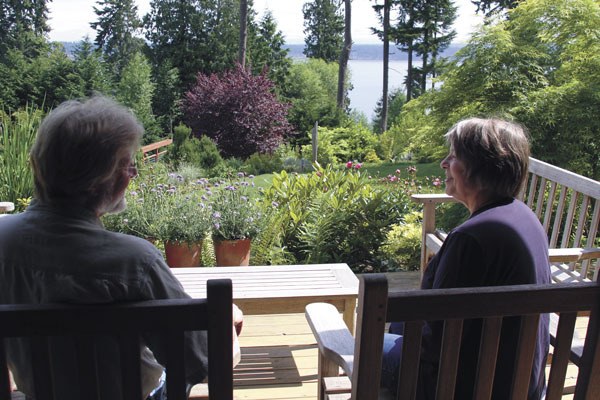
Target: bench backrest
[(453, 306), (85, 325)]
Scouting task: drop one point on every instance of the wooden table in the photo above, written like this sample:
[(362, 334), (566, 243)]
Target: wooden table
[(280, 289)]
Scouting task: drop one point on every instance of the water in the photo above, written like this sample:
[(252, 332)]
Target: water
[(367, 82)]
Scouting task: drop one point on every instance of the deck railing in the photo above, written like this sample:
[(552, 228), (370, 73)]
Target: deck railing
[(153, 151)]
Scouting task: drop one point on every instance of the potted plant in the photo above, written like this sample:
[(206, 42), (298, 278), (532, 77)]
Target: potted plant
[(235, 217), (184, 223)]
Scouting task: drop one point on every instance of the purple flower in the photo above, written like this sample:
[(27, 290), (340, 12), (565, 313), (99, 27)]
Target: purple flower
[(240, 174), (216, 215)]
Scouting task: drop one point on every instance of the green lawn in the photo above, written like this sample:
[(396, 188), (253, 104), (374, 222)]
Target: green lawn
[(384, 169)]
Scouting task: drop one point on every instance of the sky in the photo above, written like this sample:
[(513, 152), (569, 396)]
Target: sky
[(70, 19)]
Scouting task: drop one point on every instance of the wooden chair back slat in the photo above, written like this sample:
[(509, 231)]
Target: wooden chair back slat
[(525, 354), (449, 359), (129, 353), (560, 356), (4, 376), (86, 362), (40, 359), (175, 363), (83, 327), (488, 352), (588, 378), (409, 367), (376, 303), (220, 349)]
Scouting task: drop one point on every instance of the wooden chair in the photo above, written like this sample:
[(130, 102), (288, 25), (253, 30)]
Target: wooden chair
[(126, 323), (360, 357)]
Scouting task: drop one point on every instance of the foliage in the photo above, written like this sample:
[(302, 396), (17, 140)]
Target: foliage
[(17, 134), (116, 29), (402, 247), (135, 90), (324, 29), (396, 99), (311, 89), (351, 142), (267, 50), (338, 215), (235, 211), (22, 24), (258, 164), (238, 111), (538, 67), (164, 207), (90, 66)]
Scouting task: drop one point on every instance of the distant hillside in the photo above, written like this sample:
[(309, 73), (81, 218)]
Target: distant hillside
[(370, 52), (359, 51)]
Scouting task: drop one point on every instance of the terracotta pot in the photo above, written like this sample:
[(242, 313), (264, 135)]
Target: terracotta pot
[(183, 254), (232, 253)]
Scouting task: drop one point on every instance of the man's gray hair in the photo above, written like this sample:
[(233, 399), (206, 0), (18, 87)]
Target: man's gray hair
[(78, 148)]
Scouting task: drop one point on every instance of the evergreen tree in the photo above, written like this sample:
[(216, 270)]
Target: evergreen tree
[(117, 26), (267, 50), (23, 24), (324, 29), (91, 68), (342, 89), (135, 90), (490, 7)]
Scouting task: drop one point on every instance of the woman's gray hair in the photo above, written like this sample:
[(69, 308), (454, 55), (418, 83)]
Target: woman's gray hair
[(78, 148), (495, 153)]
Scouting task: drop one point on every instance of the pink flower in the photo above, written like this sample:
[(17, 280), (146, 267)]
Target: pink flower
[(398, 172), (349, 164), (437, 182)]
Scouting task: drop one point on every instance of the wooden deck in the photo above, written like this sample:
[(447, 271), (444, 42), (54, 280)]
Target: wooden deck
[(279, 354)]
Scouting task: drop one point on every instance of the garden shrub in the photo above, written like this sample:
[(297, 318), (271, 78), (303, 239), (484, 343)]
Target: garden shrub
[(258, 164), (336, 216), (402, 247), (351, 142)]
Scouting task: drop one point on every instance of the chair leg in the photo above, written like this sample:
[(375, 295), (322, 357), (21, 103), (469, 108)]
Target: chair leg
[(326, 369)]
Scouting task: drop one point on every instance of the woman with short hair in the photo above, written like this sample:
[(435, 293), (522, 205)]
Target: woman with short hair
[(501, 243)]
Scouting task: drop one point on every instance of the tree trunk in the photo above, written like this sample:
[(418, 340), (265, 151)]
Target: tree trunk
[(243, 31), (409, 73), (344, 56), (386, 62)]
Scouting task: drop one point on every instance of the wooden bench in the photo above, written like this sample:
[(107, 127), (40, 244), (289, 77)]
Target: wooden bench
[(280, 289), (568, 206), (85, 326), (360, 356), (153, 151)]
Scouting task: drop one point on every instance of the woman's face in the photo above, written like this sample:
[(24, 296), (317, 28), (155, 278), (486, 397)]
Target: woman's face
[(457, 184)]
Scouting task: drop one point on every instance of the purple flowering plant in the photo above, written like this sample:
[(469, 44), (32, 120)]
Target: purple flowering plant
[(235, 209)]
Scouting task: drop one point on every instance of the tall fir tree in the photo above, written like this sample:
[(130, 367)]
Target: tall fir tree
[(117, 28), (323, 29), (267, 50), (92, 68), (23, 24)]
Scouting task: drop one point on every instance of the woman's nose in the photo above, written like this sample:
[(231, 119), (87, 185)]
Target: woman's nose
[(444, 163)]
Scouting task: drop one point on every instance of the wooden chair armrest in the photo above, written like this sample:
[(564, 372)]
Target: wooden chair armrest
[(6, 206), (565, 255), (435, 198), (593, 252), (335, 341), (573, 254)]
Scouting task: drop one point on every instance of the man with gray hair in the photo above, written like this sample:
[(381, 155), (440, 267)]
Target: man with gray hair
[(58, 250)]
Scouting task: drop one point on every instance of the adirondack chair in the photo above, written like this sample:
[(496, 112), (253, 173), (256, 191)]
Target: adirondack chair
[(360, 357), (568, 206), (85, 325)]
